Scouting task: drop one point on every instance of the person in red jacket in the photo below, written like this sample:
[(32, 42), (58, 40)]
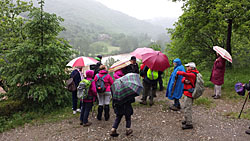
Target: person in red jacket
[(217, 75), (188, 79)]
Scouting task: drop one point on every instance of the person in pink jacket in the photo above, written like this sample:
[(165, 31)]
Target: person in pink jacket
[(118, 74), (88, 102), (104, 98)]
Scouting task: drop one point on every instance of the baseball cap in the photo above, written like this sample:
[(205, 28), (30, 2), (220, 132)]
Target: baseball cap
[(190, 64)]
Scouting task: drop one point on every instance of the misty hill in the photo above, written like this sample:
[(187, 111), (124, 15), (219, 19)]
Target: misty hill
[(83, 13), (164, 22)]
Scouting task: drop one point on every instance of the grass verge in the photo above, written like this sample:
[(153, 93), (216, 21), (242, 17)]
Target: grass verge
[(204, 101), (21, 118), (244, 115)]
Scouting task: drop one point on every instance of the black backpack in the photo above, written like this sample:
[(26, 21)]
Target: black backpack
[(100, 85)]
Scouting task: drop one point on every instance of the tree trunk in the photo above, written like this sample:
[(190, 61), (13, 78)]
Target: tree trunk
[(229, 35)]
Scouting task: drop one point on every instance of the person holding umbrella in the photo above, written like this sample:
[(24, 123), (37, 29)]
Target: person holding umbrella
[(154, 62), (217, 75), (175, 87), (124, 90), (132, 68)]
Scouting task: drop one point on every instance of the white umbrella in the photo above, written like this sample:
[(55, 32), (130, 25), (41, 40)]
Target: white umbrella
[(223, 53), (82, 61)]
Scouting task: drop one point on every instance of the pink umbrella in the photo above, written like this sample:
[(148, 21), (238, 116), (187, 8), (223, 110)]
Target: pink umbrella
[(223, 53), (139, 51), (82, 61), (155, 60)]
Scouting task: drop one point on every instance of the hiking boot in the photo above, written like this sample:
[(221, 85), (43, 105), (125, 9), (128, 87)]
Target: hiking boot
[(248, 132), (74, 112), (81, 123), (213, 95), (129, 131), (99, 114), (187, 126), (114, 133), (217, 97), (174, 108), (143, 102), (154, 95), (151, 103), (183, 122), (106, 112), (87, 124)]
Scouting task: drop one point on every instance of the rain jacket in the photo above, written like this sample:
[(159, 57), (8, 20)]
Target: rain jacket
[(76, 77), (108, 81), (217, 75), (189, 75), (132, 68), (92, 88), (179, 85), (118, 74), (143, 74)]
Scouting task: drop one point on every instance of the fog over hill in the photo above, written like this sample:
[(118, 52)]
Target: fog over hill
[(91, 12)]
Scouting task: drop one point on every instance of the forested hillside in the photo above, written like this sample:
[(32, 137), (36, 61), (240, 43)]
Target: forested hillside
[(93, 28)]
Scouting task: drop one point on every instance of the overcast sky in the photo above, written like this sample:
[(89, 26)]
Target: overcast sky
[(145, 9)]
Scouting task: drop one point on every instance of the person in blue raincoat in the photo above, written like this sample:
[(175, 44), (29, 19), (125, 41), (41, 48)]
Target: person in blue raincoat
[(178, 89)]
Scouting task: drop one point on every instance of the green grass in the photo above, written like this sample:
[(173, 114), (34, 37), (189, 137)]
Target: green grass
[(244, 115), (232, 76), (20, 118), (204, 101)]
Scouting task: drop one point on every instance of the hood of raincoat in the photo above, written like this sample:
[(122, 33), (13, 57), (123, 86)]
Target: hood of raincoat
[(177, 61), (89, 73)]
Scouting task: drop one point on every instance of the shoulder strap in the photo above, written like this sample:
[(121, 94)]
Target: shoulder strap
[(74, 75), (195, 78), (104, 76)]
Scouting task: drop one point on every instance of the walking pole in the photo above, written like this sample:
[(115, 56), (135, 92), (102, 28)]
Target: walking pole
[(172, 92), (243, 105)]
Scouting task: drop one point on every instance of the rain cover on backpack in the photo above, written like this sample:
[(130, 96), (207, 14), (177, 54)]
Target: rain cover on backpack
[(83, 88), (199, 86)]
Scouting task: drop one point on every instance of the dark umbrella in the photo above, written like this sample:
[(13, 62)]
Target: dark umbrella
[(155, 60), (126, 87)]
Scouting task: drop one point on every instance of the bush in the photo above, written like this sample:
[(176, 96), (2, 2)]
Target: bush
[(9, 107)]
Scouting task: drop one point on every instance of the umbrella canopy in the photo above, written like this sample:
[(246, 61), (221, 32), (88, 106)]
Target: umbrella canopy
[(223, 53), (119, 65), (126, 87), (155, 60), (139, 51), (82, 61)]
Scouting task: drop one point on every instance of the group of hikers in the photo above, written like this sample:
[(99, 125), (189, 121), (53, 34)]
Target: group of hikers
[(180, 82)]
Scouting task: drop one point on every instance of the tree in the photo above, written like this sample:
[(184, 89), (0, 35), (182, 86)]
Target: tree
[(205, 24), (36, 72), (11, 30)]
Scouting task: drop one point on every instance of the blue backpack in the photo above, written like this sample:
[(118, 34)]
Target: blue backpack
[(100, 85)]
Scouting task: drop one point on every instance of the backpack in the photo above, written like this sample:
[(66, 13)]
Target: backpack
[(83, 88), (152, 75), (199, 86), (71, 84), (100, 85)]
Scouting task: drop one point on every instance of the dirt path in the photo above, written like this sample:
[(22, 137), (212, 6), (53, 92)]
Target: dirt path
[(155, 123)]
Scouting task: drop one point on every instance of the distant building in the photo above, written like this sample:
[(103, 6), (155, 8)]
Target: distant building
[(102, 37)]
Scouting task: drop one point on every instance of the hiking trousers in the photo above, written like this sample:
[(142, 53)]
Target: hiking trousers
[(217, 90), (104, 98), (118, 120), (188, 110), (149, 90), (86, 107)]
